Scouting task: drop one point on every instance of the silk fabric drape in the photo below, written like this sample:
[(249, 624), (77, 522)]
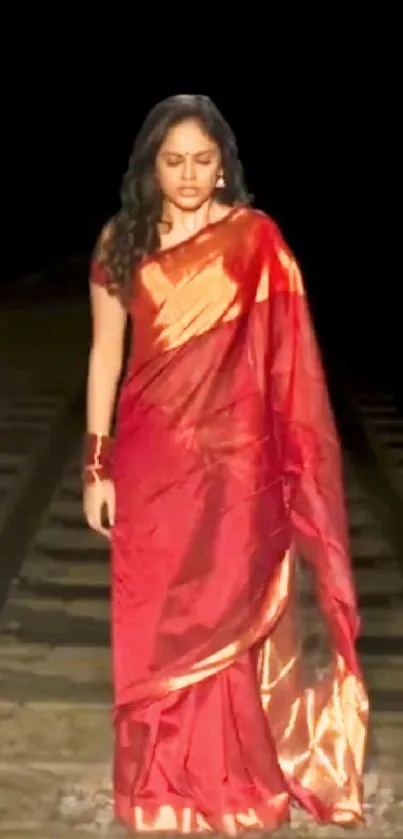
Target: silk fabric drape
[(227, 469)]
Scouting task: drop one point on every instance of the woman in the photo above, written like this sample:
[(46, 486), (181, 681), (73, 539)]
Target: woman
[(225, 467)]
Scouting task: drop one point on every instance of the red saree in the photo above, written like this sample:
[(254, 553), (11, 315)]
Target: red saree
[(227, 470)]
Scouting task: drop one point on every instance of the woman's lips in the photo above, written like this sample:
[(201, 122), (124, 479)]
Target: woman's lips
[(188, 190)]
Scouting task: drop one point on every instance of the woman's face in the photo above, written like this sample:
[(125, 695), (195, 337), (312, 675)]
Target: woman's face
[(188, 165)]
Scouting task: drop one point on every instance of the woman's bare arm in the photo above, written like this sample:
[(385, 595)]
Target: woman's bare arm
[(105, 359)]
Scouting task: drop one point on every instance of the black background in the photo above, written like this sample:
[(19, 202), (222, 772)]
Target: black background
[(318, 137)]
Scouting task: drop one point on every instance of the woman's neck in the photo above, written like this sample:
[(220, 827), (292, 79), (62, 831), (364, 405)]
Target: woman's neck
[(189, 221)]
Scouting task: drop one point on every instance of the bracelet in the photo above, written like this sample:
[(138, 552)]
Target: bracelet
[(97, 458)]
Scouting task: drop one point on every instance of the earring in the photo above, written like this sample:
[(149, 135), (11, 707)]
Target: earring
[(220, 182)]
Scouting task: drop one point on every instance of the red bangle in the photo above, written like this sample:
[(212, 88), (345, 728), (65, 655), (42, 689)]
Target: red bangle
[(97, 458)]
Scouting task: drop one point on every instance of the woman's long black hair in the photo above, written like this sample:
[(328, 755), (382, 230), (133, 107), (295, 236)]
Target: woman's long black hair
[(133, 233)]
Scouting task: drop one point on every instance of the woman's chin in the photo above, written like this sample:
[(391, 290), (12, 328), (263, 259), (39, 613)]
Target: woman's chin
[(190, 202)]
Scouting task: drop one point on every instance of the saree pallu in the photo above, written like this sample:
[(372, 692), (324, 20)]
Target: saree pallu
[(227, 473)]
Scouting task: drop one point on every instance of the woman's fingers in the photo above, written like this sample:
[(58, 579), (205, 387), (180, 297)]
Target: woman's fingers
[(110, 503), (100, 498)]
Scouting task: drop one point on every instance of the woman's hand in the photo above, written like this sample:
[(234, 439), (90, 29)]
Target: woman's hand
[(99, 503)]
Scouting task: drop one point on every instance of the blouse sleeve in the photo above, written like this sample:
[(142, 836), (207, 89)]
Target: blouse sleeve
[(98, 274)]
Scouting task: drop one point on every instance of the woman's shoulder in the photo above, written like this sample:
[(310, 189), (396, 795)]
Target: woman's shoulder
[(104, 237), (261, 220), (263, 226), (99, 270)]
